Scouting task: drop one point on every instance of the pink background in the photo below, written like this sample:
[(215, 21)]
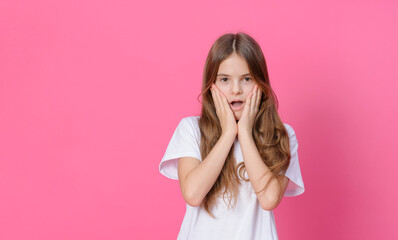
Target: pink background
[(91, 93)]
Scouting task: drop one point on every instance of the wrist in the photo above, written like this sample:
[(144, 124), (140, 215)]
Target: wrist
[(244, 134), (228, 136), (245, 129)]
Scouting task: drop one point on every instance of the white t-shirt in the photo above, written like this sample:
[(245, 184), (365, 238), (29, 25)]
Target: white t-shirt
[(248, 221)]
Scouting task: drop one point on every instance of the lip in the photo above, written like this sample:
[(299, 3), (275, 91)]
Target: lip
[(237, 108)]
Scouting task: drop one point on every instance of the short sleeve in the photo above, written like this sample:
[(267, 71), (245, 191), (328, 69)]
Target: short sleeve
[(296, 184), (184, 143)]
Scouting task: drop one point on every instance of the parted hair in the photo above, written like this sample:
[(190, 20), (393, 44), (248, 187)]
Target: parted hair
[(269, 133)]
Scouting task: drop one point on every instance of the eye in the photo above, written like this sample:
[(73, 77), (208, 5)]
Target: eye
[(247, 79), (222, 79)]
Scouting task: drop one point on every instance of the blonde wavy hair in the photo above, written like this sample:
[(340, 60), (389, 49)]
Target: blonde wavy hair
[(269, 133)]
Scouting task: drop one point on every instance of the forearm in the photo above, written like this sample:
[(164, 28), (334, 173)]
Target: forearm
[(202, 178), (258, 172)]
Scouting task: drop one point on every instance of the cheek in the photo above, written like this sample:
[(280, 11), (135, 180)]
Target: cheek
[(223, 89), (248, 88)]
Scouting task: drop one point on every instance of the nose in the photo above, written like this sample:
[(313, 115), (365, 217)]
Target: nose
[(236, 88)]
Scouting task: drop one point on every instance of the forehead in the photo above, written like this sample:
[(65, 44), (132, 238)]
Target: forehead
[(233, 65)]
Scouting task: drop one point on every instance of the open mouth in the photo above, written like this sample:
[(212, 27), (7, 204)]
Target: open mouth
[(236, 105)]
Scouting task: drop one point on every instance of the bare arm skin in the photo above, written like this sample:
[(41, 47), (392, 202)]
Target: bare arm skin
[(260, 175), (196, 178)]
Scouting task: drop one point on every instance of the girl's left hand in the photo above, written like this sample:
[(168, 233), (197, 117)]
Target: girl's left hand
[(250, 110)]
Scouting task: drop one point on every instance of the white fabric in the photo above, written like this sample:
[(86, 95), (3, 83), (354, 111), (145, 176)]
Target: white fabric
[(248, 220)]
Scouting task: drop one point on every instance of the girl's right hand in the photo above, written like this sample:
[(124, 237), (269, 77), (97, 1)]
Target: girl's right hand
[(224, 112)]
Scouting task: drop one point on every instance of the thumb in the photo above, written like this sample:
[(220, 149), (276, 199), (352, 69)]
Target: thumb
[(248, 102)]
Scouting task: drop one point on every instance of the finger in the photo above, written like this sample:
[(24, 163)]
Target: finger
[(219, 100), (227, 109), (214, 95), (246, 109), (226, 104), (253, 100), (258, 100)]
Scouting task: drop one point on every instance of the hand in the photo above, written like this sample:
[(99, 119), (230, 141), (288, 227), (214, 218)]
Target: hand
[(224, 113), (250, 110)]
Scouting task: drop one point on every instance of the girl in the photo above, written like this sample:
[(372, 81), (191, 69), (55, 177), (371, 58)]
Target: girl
[(237, 160)]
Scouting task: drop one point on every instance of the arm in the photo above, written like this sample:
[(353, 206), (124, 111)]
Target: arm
[(260, 175), (196, 178)]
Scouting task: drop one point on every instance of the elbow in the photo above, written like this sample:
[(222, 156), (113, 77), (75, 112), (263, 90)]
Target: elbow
[(192, 199), (194, 203), (270, 199), (268, 204)]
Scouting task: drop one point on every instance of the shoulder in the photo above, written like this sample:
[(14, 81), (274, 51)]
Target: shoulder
[(289, 129), (292, 136), (191, 124), (190, 119)]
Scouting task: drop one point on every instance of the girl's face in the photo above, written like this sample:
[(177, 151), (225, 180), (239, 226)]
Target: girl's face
[(235, 82)]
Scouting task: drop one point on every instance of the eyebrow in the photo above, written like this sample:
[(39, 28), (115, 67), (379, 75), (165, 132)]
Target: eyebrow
[(223, 74)]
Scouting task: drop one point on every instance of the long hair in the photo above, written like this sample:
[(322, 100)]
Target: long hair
[(269, 133)]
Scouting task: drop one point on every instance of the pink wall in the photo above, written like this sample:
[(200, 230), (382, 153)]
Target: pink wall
[(91, 92)]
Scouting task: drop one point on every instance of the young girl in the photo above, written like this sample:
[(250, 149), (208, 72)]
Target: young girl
[(237, 160)]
